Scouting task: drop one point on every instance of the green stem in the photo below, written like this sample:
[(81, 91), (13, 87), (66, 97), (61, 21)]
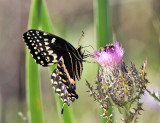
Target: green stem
[(126, 114), (102, 20), (103, 30), (32, 81)]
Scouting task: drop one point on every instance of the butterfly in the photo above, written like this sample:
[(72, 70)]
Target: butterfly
[(48, 49)]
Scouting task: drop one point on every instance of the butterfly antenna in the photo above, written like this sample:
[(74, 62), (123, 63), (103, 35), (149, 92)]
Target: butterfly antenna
[(91, 62), (62, 109), (81, 37), (88, 52), (88, 46)]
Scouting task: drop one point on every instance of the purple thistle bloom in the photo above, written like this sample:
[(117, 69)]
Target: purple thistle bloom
[(118, 85), (110, 55)]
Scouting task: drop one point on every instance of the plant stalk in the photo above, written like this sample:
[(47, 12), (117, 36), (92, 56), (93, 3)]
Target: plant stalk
[(103, 30)]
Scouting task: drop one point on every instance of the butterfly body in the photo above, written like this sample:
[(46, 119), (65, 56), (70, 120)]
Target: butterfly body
[(48, 49)]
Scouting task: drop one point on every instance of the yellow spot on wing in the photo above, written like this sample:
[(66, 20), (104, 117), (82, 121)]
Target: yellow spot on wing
[(51, 64), (41, 49), (53, 40), (44, 33), (59, 65), (72, 81), (54, 56), (50, 52), (61, 60), (46, 43), (73, 94), (63, 80), (47, 48)]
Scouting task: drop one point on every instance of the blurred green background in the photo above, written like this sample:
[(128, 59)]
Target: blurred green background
[(135, 24)]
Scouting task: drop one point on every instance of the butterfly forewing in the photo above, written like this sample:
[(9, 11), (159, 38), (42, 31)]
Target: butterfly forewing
[(42, 47)]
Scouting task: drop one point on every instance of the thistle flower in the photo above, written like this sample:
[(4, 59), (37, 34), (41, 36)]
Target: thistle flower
[(110, 55), (117, 84)]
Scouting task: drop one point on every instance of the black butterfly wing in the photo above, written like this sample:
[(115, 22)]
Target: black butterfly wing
[(60, 87), (78, 63), (64, 85), (78, 69), (45, 47), (73, 62), (31, 42)]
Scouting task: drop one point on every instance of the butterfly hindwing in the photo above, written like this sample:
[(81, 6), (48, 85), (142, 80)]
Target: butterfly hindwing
[(60, 88), (64, 85)]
